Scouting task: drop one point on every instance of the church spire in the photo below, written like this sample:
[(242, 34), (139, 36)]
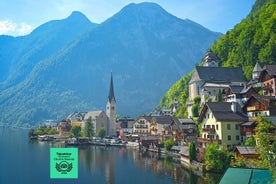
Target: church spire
[(111, 90)]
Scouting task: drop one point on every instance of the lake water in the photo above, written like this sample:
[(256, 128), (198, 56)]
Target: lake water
[(28, 162)]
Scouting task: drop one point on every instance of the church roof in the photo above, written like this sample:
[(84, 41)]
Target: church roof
[(93, 114), (111, 95), (218, 74)]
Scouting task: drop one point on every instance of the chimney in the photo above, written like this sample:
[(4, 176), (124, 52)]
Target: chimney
[(234, 107)]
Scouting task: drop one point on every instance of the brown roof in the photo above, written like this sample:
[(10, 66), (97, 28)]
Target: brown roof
[(246, 150), (271, 69), (222, 112), (265, 100)]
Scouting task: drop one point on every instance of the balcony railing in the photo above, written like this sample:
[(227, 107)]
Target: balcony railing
[(209, 130), (204, 140)]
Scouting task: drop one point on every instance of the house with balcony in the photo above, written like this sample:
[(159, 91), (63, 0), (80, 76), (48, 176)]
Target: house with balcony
[(162, 125), (268, 79), (260, 105), (239, 94), (220, 123), (247, 130), (188, 130), (141, 125)]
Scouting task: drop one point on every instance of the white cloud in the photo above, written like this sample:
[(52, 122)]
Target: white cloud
[(8, 27), (24, 29)]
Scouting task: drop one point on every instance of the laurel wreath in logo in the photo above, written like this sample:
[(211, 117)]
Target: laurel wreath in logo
[(64, 167)]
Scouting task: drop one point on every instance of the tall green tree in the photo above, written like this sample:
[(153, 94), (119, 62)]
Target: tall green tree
[(192, 151), (265, 138), (169, 144), (89, 128), (196, 106), (101, 133), (76, 131), (216, 159)]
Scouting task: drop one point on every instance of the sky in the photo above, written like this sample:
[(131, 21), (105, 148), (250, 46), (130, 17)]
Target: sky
[(20, 17)]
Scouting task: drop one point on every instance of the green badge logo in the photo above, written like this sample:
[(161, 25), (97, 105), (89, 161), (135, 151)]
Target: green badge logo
[(63, 162)]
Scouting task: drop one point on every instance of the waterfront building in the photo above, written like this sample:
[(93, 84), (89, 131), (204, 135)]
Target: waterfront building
[(141, 125), (64, 128), (125, 124)]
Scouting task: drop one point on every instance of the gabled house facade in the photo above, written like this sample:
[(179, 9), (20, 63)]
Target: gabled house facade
[(161, 125), (188, 130), (220, 123), (141, 125), (268, 79), (260, 105)]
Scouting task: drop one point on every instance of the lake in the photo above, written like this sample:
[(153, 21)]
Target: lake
[(27, 162)]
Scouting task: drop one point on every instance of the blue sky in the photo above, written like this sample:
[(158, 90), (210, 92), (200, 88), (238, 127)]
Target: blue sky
[(19, 17)]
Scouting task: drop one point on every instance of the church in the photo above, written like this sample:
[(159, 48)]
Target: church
[(99, 118)]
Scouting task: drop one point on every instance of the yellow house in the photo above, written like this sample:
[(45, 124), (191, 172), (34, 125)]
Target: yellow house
[(220, 123)]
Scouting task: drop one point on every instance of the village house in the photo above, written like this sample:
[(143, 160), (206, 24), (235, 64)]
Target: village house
[(76, 118), (220, 122), (188, 129), (260, 105), (268, 79), (64, 128), (248, 152), (125, 124), (161, 125), (247, 130), (141, 125)]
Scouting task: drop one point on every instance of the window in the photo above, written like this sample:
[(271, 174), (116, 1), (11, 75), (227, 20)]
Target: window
[(229, 137), (237, 138), (228, 127), (217, 127), (237, 126)]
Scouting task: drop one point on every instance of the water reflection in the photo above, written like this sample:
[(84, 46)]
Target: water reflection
[(115, 161)]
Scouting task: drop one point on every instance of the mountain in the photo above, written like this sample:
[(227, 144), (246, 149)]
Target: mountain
[(250, 41), (145, 47), (20, 54)]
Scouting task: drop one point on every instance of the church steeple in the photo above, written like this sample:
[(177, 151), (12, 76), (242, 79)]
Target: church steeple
[(111, 95), (111, 109)]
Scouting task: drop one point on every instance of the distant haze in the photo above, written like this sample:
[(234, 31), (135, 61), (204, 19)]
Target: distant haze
[(64, 66)]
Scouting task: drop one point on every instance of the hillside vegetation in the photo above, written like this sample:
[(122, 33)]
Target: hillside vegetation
[(251, 41)]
